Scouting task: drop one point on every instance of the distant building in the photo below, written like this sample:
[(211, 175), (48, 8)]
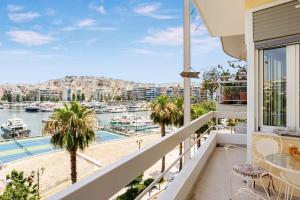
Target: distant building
[(152, 93), (67, 95), (103, 93), (139, 93)]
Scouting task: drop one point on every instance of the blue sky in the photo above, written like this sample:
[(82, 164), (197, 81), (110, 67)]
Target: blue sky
[(134, 40)]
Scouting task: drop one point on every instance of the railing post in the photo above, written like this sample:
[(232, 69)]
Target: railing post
[(187, 68)]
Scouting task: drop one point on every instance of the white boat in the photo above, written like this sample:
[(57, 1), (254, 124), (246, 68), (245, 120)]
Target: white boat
[(15, 128), (1, 107), (32, 108), (46, 109)]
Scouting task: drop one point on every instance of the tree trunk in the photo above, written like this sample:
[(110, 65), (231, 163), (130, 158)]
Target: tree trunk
[(180, 153), (73, 167), (163, 160)]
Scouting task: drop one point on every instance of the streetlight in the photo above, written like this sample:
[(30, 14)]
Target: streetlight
[(39, 172), (139, 143)]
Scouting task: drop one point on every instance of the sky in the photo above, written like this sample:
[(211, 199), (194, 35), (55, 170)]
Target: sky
[(135, 40)]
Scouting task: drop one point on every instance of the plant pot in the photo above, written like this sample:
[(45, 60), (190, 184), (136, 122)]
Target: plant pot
[(226, 99), (243, 97)]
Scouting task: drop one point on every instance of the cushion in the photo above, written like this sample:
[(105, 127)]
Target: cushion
[(248, 170)]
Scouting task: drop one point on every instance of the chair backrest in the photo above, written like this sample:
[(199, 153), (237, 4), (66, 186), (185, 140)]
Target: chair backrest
[(267, 145), (284, 190)]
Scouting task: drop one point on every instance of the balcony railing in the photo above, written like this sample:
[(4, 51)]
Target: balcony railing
[(233, 92), (105, 183)]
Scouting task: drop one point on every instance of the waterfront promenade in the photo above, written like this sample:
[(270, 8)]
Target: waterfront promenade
[(57, 164)]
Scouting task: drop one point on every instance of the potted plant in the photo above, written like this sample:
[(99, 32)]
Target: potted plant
[(226, 95)]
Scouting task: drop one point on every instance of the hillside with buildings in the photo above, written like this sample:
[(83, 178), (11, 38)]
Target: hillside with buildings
[(90, 88)]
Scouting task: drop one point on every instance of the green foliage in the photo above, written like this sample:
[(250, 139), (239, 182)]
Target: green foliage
[(210, 81), (136, 181), (20, 188), (161, 111), (74, 97), (72, 128), (148, 182), (135, 188), (82, 97)]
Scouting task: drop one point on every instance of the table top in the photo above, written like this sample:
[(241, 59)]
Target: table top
[(284, 162)]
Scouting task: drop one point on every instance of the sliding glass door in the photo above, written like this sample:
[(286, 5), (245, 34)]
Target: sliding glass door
[(278, 80)]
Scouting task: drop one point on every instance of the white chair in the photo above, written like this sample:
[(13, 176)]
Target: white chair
[(284, 190), (270, 144)]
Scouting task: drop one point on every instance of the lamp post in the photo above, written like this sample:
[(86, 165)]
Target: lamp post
[(39, 172), (139, 143)]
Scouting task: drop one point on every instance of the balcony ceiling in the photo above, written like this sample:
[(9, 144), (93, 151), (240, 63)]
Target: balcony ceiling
[(225, 19)]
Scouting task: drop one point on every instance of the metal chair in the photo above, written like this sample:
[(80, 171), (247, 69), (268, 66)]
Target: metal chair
[(251, 171), (285, 190)]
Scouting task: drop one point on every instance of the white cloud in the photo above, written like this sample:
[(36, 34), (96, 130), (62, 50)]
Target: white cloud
[(86, 23), (14, 8), (100, 8), (150, 10), (169, 36), (173, 36), (23, 17), (29, 38)]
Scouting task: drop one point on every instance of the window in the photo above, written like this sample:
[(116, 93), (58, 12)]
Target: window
[(274, 87), (279, 96)]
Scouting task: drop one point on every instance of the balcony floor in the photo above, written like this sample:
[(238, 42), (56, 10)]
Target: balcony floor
[(213, 182)]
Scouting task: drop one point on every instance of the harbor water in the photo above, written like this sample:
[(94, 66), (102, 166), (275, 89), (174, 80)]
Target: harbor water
[(35, 124)]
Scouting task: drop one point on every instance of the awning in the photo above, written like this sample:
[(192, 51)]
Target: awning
[(225, 19)]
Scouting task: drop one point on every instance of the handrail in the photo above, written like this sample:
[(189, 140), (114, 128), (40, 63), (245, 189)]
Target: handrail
[(142, 194), (108, 181)]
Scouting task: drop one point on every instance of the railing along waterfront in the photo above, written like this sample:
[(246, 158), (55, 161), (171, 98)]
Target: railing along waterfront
[(108, 181)]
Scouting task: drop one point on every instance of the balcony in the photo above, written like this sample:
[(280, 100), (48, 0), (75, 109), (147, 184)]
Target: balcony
[(108, 182)]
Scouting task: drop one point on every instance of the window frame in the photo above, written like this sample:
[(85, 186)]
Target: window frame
[(292, 88)]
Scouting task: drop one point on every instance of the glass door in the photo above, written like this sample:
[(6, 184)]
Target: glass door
[(278, 80)]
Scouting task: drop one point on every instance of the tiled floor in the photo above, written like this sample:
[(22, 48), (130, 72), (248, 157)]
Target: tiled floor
[(214, 182)]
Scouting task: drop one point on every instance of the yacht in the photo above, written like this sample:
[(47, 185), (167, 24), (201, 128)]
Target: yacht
[(15, 128), (32, 108)]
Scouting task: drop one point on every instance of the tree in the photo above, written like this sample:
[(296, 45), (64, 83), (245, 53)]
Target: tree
[(18, 98), (161, 113), (9, 97), (72, 128), (20, 187), (136, 181), (178, 121), (78, 98), (73, 97), (210, 81), (200, 109)]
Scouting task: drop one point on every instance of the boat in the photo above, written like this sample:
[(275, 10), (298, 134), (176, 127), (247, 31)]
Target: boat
[(1, 107), (15, 128), (46, 109), (32, 108)]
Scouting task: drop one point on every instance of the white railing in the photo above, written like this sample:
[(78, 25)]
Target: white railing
[(108, 181)]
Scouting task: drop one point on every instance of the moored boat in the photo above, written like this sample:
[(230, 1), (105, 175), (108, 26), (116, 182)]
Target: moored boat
[(15, 128), (32, 108)]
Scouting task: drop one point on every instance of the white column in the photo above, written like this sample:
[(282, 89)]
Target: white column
[(187, 68)]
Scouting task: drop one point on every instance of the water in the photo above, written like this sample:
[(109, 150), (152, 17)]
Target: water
[(34, 120)]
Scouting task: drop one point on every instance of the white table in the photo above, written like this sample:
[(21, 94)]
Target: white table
[(284, 162)]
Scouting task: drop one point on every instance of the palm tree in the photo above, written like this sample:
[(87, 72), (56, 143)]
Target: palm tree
[(178, 120), (72, 128), (161, 113)]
